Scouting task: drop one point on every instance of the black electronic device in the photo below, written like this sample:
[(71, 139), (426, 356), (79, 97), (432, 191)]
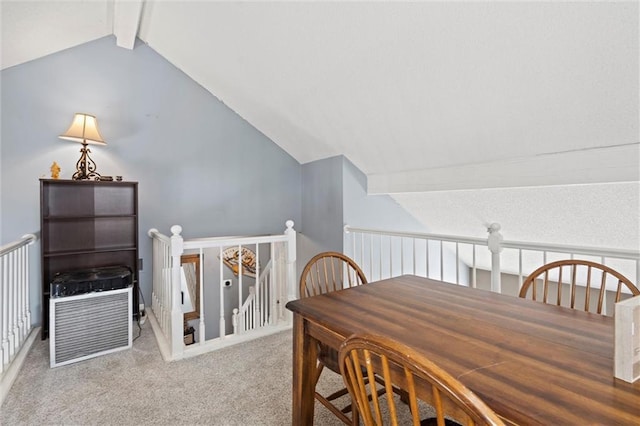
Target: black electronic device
[(84, 281)]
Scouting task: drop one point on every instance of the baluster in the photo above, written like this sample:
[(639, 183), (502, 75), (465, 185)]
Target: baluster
[(414, 255), (5, 310), (256, 308), (494, 242), (457, 264), (520, 272), (441, 261), (234, 320), (21, 285), (361, 261), (370, 257), (380, 258), (222, 324), (275, 292), (24, 287), (401, 256), (292, 288), (154, 267), (201, 326), (12, 304), (240, 284), (390, 257), (427, 257), (27, 308), (166, 290), (177, 317), (474, 282)]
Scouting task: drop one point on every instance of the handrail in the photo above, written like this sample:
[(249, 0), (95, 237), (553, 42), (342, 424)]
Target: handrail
[(448, 238), (154, 233), (213, 242), (25, 240), (584, 250), (560, 248)]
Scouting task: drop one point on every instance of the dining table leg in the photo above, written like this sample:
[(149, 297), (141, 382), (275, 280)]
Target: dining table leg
[(305, 354)]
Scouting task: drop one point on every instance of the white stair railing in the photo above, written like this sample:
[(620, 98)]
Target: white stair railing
[(17, 333), (161, 270), (274, 287), (245, 318), (384, 254), (261, 306)]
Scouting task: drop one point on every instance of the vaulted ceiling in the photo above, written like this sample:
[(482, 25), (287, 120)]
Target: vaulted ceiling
[(439, 103)]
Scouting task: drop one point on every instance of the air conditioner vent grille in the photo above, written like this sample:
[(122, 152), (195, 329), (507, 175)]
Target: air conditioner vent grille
[(89, 325)]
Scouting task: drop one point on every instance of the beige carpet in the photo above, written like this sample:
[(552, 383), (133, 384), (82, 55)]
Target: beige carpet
[(247, 384)]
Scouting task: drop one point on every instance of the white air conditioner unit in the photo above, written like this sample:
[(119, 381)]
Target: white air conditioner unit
[(88, 325)]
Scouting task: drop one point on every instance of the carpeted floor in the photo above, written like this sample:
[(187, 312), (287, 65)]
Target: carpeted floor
[(247, 384)]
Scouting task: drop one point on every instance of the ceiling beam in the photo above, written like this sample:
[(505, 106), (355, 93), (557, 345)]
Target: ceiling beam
[(126, 21), (620, 163)]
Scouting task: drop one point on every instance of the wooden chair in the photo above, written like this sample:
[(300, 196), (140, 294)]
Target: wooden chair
[(397, 364), (587, 280), (326, 272), (330, 271)]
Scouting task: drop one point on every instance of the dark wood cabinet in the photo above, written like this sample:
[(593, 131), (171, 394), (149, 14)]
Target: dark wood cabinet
[(87, 224)]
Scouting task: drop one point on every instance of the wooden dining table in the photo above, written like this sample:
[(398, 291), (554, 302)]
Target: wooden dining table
[(532, 363)]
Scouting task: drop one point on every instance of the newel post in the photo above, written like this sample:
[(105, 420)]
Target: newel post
[(494, 243), (291, 289), (177, 318)]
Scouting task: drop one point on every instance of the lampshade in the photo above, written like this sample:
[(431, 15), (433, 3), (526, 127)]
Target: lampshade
[(84, 129)]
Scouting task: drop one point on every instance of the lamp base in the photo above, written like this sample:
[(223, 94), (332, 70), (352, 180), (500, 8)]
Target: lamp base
[(85, 167)]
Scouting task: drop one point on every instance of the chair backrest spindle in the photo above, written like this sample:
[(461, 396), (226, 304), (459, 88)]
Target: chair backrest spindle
[(329, 271), (581, 282), (402, 366)]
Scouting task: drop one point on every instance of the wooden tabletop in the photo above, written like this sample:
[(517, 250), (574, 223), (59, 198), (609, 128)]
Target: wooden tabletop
[(532, 363)]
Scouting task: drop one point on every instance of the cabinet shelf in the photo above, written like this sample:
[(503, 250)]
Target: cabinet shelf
[(80, 217), (87, 224), (82, 252)]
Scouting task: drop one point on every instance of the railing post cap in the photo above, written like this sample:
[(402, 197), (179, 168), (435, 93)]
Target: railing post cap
[(289, 224), (494, 242), (176, 229), (494, 227)]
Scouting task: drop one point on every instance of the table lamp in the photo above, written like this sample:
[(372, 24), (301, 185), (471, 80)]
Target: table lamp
[(84, 129)]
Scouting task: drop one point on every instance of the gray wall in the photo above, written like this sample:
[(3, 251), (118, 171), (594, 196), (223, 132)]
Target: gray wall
[(372, 211), (321, 209), (198, 163), (334, 193)]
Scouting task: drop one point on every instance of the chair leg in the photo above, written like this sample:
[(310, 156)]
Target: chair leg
[(319, 369), (339, 414), (326, 401), (404, 396)]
